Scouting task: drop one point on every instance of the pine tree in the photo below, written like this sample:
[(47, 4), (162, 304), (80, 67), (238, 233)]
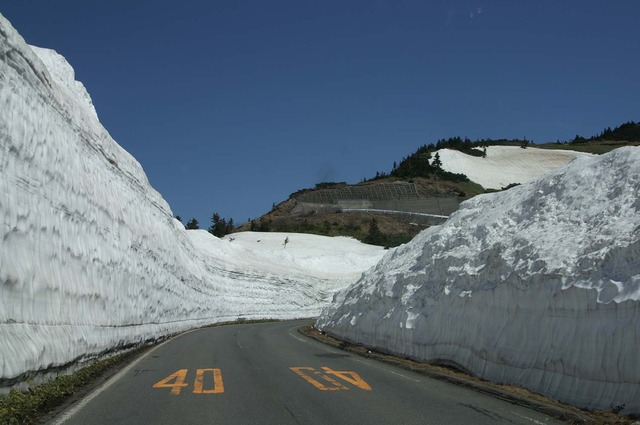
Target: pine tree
[(220, 226), (436, 161), (215, 223), (192, 224), (374, 236), (230, 226), (265, 226)]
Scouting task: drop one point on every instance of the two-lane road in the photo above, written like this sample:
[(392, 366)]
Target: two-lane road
[(270, 374)]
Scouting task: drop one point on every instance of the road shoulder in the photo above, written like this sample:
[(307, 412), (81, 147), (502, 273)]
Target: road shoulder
[(512, 394)]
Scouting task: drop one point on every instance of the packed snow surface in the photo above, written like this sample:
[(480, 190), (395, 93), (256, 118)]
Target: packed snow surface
[(504, 165), (537, 286), (91, 257)]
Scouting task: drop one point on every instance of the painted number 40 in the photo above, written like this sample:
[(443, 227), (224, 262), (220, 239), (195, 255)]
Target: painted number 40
[(176, 381)]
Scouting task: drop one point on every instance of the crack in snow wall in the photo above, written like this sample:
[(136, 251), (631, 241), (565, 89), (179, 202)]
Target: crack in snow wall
[(91, 257), (537, 286)]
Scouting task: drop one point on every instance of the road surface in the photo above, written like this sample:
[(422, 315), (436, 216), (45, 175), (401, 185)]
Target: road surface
[(270, 374)]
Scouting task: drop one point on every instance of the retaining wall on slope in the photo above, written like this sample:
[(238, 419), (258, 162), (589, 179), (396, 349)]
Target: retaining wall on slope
[(397, 190)]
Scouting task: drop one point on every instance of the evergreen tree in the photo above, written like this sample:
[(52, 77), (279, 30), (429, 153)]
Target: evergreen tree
[(220, 226), (192, 224), (230, 226), (265, 226), (436, 161), (629, 131), (326, 227), (215, 224), (375, 236)]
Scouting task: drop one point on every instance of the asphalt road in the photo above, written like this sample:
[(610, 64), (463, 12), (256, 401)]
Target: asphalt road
[(271, 374)]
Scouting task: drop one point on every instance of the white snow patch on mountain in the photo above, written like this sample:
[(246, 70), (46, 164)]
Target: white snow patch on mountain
[(504, 165), (537, 286), (324, 264), (91, 258)]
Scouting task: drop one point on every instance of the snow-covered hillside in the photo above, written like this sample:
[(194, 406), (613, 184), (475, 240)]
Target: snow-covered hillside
[(91, 257), (316, 266), (537, 286), (504, 165)]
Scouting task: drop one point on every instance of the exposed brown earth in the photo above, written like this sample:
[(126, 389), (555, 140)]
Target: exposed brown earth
[(298, 215)]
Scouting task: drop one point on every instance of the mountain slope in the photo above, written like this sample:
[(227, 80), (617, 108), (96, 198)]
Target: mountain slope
[(341, 209)]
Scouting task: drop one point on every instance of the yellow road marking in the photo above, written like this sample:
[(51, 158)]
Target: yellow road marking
[(218, 385), (351, 377), (313, 377), (335, 384), (176, 387)]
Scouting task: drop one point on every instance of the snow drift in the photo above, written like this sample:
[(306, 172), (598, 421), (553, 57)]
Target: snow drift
[(504, 165), (537, 286), (91, 257)]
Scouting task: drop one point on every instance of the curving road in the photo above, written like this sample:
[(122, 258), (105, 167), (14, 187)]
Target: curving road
[(270, 374)]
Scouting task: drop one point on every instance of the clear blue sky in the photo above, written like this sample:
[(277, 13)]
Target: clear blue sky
[(232, 105)]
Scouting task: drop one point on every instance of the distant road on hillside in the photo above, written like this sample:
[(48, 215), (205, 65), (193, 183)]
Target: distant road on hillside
[(270, 374), (395, 212)]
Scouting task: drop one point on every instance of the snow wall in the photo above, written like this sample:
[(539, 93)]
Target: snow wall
[(91, 258), (537, 286)]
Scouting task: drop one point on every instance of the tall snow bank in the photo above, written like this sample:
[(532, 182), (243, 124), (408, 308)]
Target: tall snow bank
[(537, 286), (65, 77), (90, 256)]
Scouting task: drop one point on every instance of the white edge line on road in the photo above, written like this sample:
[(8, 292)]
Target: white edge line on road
[(297, 337), (528, 418), (356, 359), (310, 340), (387, 369), (69, 413)]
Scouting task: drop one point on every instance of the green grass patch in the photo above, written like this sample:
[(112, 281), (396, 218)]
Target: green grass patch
[(470, 188), (25, 407)]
